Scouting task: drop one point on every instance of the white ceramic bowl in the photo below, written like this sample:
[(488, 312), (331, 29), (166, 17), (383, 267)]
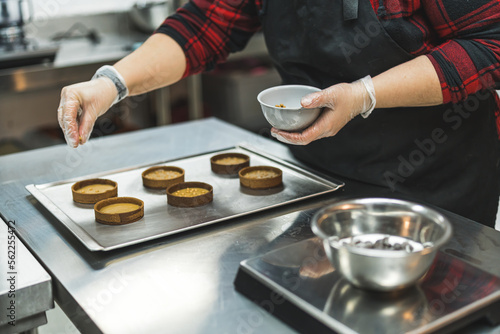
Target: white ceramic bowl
[(292, 117)]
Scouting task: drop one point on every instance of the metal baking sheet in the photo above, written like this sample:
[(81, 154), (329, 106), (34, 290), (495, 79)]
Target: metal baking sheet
[(160, 219)]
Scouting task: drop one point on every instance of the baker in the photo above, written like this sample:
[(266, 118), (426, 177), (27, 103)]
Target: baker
[(407, 86)]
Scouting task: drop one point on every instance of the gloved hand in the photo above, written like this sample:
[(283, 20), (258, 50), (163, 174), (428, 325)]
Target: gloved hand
[(80, 106), (341, 103)]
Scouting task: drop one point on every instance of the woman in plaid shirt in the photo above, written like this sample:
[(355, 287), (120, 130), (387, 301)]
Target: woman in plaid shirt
[(428, 67)]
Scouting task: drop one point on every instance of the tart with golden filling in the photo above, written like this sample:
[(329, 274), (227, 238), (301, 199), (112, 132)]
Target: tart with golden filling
[(261, 177), (229, 163), (119, 210), (189, 194), (93, 190), (162, 177)]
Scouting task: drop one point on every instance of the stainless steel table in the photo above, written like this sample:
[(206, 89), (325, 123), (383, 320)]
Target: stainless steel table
[(25, 287), (181, 283)]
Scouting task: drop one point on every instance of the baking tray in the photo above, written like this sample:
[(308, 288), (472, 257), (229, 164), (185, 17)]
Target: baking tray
[(160, 219)]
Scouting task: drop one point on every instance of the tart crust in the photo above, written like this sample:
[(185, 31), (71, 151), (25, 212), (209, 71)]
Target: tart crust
[(162, 183), (187, 202), (229, 168), (118, 218), (91, 198), (274, 179)]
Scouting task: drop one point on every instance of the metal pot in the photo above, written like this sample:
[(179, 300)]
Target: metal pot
[(13, 13), (149, 15)]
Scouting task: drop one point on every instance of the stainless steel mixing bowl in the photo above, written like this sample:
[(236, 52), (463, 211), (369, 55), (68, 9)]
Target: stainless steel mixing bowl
[(381, 269), (291, 117)]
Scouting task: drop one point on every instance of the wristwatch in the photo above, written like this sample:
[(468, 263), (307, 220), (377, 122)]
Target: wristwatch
[(111, 73)]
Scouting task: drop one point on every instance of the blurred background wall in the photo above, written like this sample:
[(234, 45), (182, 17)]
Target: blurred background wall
[(46, 9)]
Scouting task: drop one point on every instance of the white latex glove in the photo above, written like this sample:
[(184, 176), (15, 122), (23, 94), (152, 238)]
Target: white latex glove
[(341, 103), (80, 106)]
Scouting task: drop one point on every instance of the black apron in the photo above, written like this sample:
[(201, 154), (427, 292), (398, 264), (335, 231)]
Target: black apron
[(445, 155)]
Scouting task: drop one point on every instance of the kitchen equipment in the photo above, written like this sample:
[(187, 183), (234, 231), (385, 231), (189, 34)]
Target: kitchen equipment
[(15, 49), (394, 222), (299, 285), (148, 15), (282, 109), (14, 14), (229, 200)]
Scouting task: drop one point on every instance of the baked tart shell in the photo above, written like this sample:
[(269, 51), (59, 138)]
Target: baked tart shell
[(275, 178), (187, 202), (162, 183), (118, 218), (232, 168), (92, 198)]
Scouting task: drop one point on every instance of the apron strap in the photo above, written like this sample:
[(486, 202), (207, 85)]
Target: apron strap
[(381, 12), (350, 9)]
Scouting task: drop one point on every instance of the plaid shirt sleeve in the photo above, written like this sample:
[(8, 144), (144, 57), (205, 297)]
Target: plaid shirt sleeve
[(467, 57), (461, 38), (209, 30)]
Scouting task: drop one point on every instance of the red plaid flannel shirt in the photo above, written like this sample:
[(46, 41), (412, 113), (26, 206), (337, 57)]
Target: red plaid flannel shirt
[(461, 38)]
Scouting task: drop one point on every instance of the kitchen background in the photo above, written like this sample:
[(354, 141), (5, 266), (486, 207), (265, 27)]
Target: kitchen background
[(44, 9), (65, 42)]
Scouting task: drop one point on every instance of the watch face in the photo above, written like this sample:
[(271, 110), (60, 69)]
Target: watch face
[(111, 73)]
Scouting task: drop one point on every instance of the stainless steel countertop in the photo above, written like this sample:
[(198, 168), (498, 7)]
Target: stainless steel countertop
[(25, 287), (182, 283)]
